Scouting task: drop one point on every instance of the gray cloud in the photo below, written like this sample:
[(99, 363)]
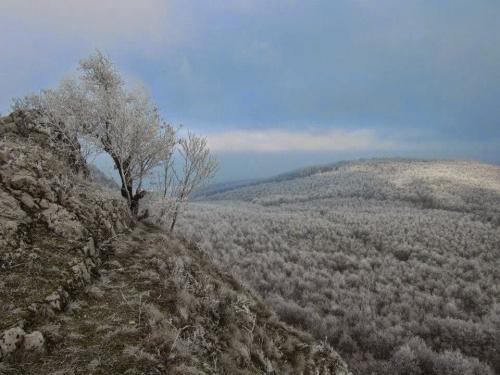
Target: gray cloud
[(98, 22), (393, 65), (414, 71)]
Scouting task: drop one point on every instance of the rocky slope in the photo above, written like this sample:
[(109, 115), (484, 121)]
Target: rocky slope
[(86, 290)]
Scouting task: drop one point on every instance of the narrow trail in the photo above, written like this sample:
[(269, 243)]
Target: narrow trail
[(106, 318)]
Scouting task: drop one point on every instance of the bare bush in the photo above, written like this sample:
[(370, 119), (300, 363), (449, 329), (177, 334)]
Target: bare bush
[(197, 167)]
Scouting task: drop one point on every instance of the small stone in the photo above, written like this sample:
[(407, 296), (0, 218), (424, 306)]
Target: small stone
[(45, 191), (44, 203), (34, 342), (10, 340), (54, 301), (80, 271), (183, 312), (33, 308), (28, 201), (91, 247), (4, 156)]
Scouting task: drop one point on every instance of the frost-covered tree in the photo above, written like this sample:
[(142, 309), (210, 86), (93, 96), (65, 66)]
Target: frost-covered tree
[(126, 125), (97, 111)]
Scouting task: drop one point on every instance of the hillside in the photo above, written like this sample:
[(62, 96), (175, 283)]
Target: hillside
[(99, 178), (394, 262), (86, 290), (458, 185)]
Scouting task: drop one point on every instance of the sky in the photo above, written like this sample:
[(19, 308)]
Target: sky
[(280, 84)]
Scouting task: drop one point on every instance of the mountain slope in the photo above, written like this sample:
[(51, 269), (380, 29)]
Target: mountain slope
[(98, 177), (86, 290)]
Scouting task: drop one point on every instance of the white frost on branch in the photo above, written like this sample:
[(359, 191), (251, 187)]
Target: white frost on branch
[(96, 113)]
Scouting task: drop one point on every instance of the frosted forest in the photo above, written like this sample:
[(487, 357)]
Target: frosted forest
[(395, 263)]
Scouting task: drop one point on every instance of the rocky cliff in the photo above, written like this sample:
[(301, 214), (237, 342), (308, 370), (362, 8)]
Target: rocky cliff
[(84, 289)]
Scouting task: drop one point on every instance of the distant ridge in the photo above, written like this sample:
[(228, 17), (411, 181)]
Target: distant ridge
[(223, 187)]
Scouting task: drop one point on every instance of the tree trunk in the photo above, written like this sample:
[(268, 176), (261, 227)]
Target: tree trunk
[(174, 218), (127, 187), (134, 206), (125, 192)]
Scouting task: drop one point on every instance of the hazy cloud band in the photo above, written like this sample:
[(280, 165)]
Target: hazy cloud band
[(279, 141)]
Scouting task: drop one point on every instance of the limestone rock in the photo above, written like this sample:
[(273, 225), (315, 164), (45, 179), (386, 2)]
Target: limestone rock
[(89, 249), (34, 342), (57, 300), (44, 203), (4, 156), (12, 218), (62, 222), (81, 272), (24, 182), (28, 201), (11, 340)]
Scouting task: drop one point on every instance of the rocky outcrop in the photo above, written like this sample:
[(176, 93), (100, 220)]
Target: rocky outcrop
[(84, 289), (52, 224)]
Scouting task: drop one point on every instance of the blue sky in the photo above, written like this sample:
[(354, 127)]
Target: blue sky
[(276, 85)]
